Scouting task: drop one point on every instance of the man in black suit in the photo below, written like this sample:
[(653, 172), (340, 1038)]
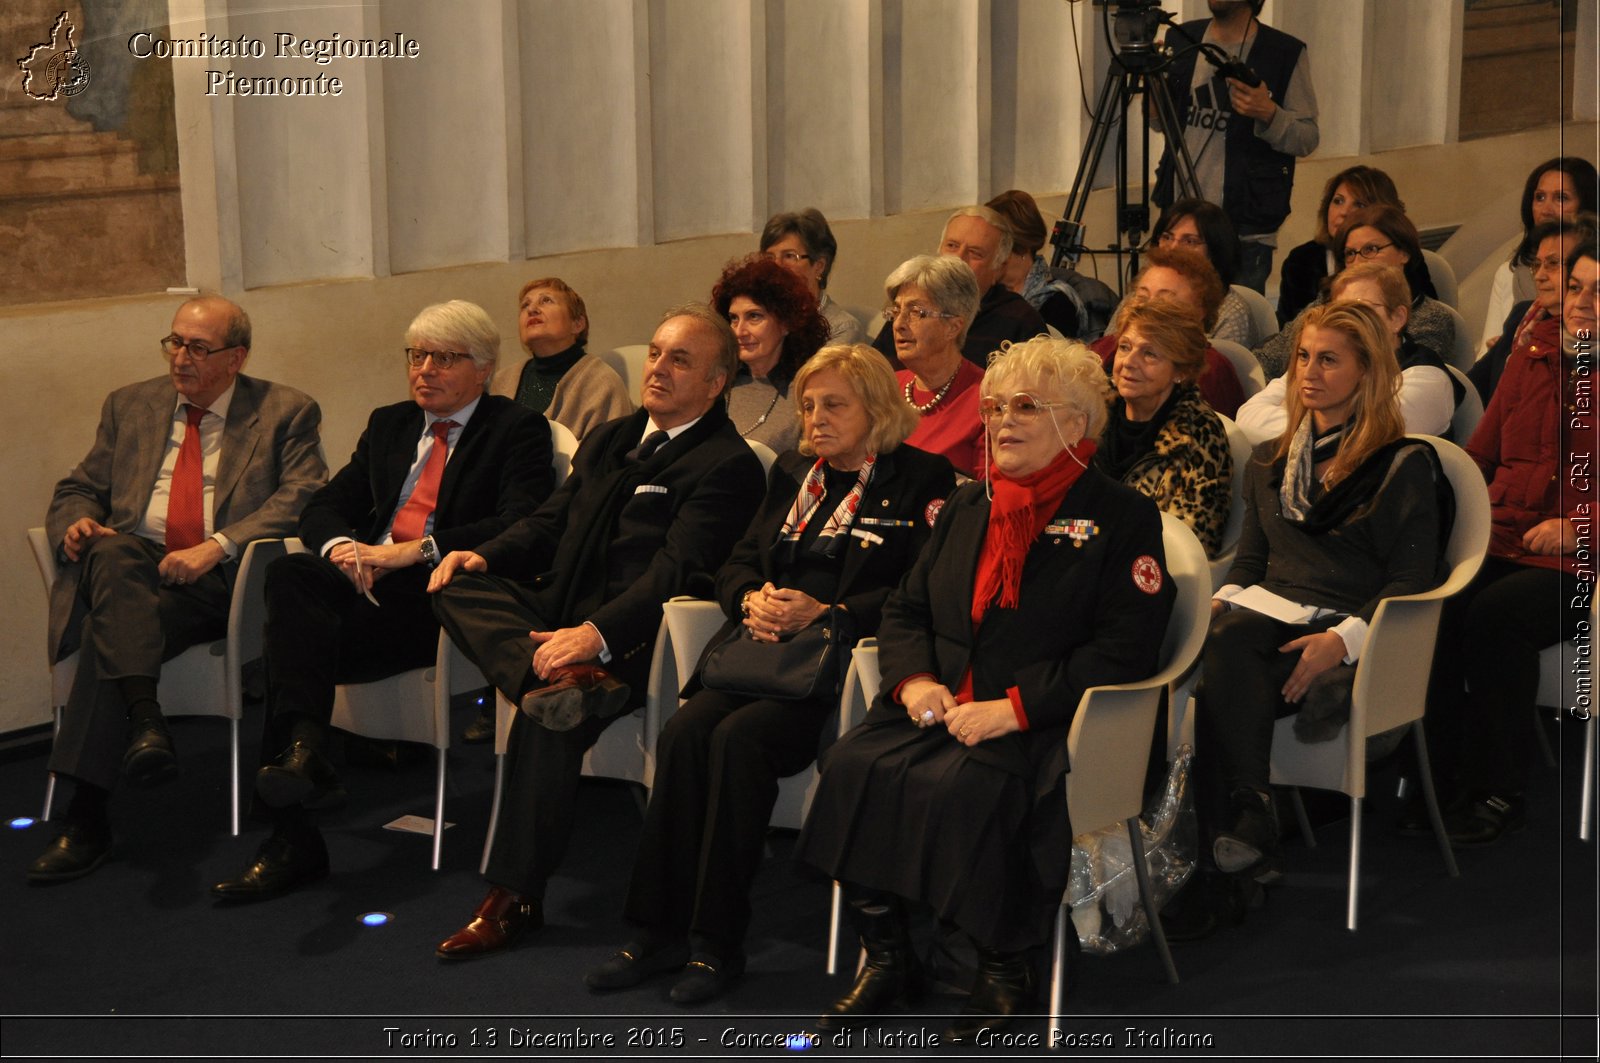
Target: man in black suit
[(445, 471), (654, 503), (982, 239)]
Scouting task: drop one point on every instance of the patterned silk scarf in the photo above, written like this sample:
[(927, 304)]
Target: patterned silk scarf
[(834, 533), (1300, 488)]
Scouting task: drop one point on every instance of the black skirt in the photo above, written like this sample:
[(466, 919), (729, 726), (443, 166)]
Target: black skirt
[(911, 811)]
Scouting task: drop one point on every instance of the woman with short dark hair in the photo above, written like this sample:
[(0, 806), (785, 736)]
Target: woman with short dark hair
[(802, 243), (1306, 268)]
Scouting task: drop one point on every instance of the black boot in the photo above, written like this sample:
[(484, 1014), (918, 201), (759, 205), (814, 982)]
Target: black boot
[(1250, 846), (1004, 988), (891, 973)]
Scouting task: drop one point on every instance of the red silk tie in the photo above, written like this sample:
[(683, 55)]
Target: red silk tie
[(186, 519), (413, 516)]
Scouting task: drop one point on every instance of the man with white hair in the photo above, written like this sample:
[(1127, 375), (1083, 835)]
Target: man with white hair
[(448, 469), (982, 239)]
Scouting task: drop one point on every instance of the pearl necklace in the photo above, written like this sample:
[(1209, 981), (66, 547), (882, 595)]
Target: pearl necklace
[(763, 418), (938, 396)]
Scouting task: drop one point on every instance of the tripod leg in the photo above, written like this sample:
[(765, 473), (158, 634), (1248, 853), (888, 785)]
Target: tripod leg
[(1188, 186)]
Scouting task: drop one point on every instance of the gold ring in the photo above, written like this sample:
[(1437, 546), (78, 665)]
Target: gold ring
[(964, 731)]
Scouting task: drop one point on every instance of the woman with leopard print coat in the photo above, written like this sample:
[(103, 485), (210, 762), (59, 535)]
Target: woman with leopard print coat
[(1162, 439)]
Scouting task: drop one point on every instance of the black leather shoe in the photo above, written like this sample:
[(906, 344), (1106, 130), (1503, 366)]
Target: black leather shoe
[(704, 979), (1484, 821), (76, 851), (1004, 989), (633, 963), (886, 979), (573, 694), (150, 760), (1251, 844), (500, 920), (300, 776), (480, 730), (282, 865)]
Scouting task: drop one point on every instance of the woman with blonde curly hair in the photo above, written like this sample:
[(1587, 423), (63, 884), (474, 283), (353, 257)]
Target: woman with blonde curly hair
[(1041, 580), (1341, 511)]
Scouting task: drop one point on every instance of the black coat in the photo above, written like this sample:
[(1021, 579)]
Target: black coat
[(619, 537), (498, 473)]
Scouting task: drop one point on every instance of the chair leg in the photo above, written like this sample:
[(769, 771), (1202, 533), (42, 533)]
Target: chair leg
[(1545, 751), (494, 814), (1355, 864), (833, 929), (1058, 969), (50, 776), (1431, 799), (1141, 874), (233, 776), (1301, 817), (438, 812), (1586, 817)]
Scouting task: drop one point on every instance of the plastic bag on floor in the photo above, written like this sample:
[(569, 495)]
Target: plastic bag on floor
[(1103, 888)]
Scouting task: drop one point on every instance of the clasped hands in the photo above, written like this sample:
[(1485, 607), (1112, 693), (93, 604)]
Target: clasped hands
[(178, 567), (930, 703), (375, 562), (774, 613)]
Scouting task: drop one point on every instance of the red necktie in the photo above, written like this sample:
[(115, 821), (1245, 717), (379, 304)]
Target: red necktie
[(413, 516), (186, 519)]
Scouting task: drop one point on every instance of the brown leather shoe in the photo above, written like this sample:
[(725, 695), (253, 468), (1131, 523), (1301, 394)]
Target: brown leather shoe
[(500, 920), (572, 694)]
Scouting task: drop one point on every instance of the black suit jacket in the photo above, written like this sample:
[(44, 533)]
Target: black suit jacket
[(620, 537), (905, 482), (499, 472)]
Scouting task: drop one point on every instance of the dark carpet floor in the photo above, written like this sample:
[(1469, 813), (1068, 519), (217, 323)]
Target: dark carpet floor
[(137, 961)]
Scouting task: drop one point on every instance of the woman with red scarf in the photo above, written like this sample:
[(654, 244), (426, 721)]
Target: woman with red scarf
[(1041, 580)]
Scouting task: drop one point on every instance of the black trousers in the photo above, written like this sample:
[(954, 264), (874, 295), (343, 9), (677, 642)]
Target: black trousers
[(1241, 697), (489, 618), (718, 763), (133, 625), (320, 632), (1486, 672)]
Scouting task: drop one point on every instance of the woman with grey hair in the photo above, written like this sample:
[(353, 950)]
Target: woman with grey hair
[(802, 243), (932, 299), (1043, 580)]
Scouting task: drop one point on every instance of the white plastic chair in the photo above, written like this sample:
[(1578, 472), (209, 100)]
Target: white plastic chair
[(861, 683), (765, 454), (1109, 742), (1558, 689), (629, 361), (1246, 366), (1462, 353), (1240, 448), (1469, 411), (563, 445), (204, 680), (413, 706), (1391, 681), (625, 750), (1263, 319), (1444, 278)]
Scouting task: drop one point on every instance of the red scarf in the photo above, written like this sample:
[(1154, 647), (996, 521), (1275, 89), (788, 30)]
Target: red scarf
[(1018, 513)]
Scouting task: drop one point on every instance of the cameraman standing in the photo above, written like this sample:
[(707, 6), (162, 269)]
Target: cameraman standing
[(1243, 139)]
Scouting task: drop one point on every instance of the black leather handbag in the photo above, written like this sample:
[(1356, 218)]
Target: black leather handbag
[(808, 665)]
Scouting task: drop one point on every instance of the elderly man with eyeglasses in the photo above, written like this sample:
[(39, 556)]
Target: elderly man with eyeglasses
[(185, 471), (982, 239), (448, 469)]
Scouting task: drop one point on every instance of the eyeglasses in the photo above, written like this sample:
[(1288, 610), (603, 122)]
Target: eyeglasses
[(1024, 408), (415, 356), (787, 256), (197, 351), (921, 313), (1190, 243), (1370, 251)]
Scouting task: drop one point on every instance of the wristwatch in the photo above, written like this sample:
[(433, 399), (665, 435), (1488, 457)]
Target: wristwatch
[(430, 550)]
